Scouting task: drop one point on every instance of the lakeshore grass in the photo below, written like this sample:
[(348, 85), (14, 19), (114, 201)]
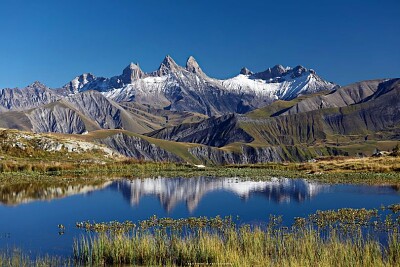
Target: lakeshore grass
[(327, 238), (385, 170), (17, 257), (344, 237)]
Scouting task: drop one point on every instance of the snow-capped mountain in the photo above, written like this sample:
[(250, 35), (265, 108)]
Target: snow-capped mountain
[(278, 82), (190, 89)]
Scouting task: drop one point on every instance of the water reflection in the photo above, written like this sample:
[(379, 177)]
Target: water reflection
[(172, 191), (16, 195)]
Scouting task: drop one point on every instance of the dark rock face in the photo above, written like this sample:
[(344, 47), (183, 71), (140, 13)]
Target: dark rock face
[(138, 148), (246, 71), (299, 70), (276, 71), (248, 155), (279, 71), (216, 132)]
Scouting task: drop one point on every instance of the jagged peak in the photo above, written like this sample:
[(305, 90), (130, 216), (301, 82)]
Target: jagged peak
[(167, 65), (278, 68), (85, 76), (131, 73), (246, 71), (299, 70), (193, 66), (270, 73), (133, 66), (169, 62), (37, 84)]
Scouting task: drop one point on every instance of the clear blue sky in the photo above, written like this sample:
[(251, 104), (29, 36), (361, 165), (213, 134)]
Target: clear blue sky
[(54, 41)]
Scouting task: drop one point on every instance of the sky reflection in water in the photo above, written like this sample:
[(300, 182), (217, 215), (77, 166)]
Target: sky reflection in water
[(29, 218)]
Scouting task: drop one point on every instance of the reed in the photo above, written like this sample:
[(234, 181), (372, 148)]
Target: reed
[(16, 257), (324, 239)]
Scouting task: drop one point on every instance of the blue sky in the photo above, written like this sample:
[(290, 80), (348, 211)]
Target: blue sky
[(54, 41)]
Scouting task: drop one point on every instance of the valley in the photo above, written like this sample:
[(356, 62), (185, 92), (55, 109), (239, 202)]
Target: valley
[(176, 147)]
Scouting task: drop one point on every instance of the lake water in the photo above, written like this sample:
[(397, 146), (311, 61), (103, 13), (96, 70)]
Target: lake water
[(29, 220)]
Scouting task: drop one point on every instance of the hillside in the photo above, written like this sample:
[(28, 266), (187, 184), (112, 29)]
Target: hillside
[(179, 114), (370, 121)]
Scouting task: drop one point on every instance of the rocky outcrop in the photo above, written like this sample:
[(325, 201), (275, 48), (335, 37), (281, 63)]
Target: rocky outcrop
[(246, 71), (216, 131), (274, 72), (96, 107), (167, 66), (138, 148), (102, 111), (248, 155), (34, 95), (57, 120), (78, 83), (193, 67), (132, 73)]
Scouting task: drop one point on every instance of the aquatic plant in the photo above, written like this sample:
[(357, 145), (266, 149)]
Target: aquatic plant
[(17, 257), (321, 239)]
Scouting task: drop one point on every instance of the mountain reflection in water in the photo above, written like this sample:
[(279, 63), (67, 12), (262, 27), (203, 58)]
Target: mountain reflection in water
[(171, 191), (11, 196)]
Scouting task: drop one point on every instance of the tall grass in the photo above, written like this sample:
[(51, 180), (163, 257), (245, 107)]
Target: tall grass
[(201, 242), (16, 257), (243, 247)]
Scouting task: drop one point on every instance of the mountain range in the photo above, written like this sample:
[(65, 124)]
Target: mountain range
[(180, 114)]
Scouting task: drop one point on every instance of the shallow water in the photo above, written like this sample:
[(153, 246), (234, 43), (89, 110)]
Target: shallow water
[(29, 219)]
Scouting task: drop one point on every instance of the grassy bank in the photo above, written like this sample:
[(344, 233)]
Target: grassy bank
[(384, 170), (331, 238), (16, 257), (244, 247), (344, 237)]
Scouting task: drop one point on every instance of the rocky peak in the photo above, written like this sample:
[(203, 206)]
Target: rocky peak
[(270, 73), (168, 65), (37, 85), (131, 73), (246, 71), (85, 78), (193, 66), (78, 82), (278, 70), (299, 70)]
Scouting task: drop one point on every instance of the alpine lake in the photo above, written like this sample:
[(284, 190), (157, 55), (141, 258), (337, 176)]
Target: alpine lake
[(46, 222)]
